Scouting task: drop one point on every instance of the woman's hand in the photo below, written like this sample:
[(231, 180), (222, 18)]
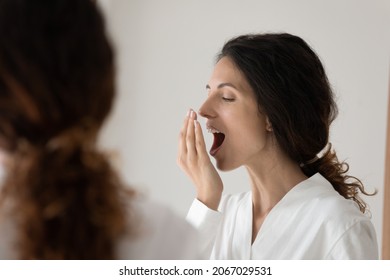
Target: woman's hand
[(195, 162)]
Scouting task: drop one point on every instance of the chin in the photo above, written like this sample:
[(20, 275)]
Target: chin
[(225, 166)]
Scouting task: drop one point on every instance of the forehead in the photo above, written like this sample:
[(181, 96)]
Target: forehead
[(225, 71)]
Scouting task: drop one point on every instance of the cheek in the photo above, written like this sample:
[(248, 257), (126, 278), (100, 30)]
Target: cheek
[(251, 133)]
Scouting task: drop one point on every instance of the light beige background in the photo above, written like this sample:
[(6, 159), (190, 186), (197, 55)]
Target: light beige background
[(165, 54)]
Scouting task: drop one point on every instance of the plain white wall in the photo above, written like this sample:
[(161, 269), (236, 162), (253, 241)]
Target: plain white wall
[(165, 54)]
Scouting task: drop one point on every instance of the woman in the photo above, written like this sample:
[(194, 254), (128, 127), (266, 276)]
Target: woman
[(60, 198), (269, 107)]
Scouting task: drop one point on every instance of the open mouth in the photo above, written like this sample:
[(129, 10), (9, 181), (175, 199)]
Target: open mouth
[(219, 137)]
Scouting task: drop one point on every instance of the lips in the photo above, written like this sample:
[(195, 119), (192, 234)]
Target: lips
[(219, 137)]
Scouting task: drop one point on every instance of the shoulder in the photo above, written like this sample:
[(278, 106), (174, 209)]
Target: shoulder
[(329, 219), (337, 215), (157, 232), (7, 232), (319, 193)]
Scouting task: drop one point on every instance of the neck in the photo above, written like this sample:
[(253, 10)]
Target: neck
[(271, 179)]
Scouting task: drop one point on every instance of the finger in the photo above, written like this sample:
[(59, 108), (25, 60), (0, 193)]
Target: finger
[(183, 135), (199, 140), (190, 137)]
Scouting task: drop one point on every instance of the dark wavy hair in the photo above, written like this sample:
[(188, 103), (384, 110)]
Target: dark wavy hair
[(56, 89), (292, 89)]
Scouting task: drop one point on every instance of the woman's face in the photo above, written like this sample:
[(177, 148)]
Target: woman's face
[(241, 132)]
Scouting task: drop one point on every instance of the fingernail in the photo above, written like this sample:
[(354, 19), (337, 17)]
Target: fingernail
[(192, 114), (189, 112)]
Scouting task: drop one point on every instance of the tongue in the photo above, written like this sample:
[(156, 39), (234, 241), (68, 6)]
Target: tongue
[(218, 140)]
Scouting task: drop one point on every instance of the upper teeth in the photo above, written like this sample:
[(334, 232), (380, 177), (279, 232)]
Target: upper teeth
[(212, 130)]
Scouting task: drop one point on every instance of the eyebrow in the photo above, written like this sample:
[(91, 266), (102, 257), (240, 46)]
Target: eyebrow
[(223, 85)]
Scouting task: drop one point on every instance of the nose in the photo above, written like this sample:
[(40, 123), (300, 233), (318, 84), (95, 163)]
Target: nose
[(207, 110)]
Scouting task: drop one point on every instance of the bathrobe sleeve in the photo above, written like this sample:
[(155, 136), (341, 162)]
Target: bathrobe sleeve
[(207, 222), (357, 243)]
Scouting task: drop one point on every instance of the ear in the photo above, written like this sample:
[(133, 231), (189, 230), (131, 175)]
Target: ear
[(268, 125)]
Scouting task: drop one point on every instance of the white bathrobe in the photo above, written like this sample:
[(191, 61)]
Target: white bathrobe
[(312, 221)]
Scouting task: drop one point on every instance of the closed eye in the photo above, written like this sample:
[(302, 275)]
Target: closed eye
[(228, 99)]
